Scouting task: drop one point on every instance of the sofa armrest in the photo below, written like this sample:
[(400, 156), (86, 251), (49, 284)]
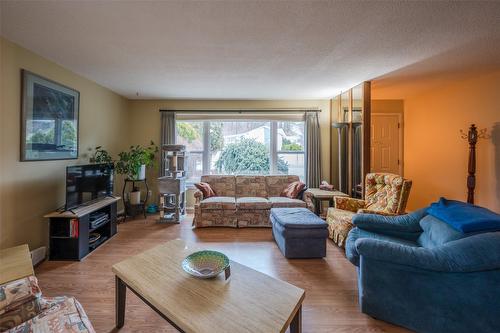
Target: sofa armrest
[(20, 300), (65, 313), (480, 252), (198, 197), (309, 200), (17, 292), (350, 204), (399, 223)]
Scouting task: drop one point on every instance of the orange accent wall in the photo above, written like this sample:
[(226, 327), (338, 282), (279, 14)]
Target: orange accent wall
[(436, 156)]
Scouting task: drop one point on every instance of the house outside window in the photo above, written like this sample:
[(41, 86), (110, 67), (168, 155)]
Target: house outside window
[(232, 146)]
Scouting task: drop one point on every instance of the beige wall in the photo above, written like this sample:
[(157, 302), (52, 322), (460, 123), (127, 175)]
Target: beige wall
[(435, 154), (144, 118), (30, 189)]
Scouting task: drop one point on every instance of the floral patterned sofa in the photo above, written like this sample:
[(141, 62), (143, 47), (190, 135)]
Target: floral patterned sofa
[(24, 310), (243, 201)]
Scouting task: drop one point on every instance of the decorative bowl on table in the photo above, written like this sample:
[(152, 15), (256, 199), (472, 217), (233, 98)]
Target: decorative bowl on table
[(205, 264)]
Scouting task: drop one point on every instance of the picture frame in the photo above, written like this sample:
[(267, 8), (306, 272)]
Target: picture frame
[(49, 119)]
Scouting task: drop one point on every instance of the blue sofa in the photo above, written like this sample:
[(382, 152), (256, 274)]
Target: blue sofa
[(417, 271)]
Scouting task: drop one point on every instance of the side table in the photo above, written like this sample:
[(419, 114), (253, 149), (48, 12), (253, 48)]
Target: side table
[(323, 195), (130, 209)]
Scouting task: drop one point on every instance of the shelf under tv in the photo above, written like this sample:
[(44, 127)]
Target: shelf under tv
[(99, 226), (66, 246)]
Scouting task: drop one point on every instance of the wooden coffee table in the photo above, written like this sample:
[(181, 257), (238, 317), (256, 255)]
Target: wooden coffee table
[(249, 301)]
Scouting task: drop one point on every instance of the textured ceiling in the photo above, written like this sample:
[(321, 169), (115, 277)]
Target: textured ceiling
[(250, 49)]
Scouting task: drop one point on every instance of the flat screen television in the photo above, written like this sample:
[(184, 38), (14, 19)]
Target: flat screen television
[(87, 183)]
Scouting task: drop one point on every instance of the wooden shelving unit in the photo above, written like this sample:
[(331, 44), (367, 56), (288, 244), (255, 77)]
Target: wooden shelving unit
[(69, 231)]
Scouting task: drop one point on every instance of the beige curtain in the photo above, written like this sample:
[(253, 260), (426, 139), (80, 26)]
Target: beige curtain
[(167, 134), (313, 150)]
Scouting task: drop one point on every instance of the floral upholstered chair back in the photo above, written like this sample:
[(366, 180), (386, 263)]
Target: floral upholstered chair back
[(386, 192)]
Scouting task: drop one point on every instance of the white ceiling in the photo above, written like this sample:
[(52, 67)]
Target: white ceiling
[(247, 49)]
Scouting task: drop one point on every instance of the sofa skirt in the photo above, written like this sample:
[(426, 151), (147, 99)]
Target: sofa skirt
[(253, 218), (215, 218)]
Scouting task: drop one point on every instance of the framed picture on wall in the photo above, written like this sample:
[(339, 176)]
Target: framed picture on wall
[(49, 119)]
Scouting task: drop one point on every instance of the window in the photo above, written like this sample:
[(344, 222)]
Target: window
[(190, 134), (290, 149), (242, 147)]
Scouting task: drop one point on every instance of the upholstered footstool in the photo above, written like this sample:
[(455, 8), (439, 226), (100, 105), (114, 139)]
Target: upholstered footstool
[(299, 233)]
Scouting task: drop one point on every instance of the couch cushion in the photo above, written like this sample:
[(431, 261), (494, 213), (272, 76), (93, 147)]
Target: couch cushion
[(66, 316), (283, 202), (251, 186), (253, 203), (437, 232), (356, 233), (218, 203), (223, 185), (276, 184)]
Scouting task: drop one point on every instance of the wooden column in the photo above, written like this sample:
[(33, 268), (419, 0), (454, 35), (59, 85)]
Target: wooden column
[(471, 177), (367, 99)]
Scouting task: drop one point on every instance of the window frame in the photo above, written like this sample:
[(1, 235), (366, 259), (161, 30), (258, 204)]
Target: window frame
[(274, 152)]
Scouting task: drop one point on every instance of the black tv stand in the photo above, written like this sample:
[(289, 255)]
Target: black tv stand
[(69, 230)]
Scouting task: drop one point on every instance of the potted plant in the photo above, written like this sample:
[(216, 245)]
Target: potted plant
[(133, 163), (135, 196), (100, 155)]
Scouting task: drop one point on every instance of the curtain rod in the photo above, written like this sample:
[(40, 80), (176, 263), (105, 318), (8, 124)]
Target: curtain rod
[(281, 110)]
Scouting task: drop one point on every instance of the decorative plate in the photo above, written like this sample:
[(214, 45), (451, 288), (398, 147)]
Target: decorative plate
[(205, 264)]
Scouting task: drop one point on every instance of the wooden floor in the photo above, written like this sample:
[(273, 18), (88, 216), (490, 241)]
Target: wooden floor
[(331, 294)]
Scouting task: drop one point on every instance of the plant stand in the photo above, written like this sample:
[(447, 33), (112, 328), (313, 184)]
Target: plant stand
[(133, 209)]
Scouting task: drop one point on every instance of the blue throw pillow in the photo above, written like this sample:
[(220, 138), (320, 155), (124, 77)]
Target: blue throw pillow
[(465, 217)]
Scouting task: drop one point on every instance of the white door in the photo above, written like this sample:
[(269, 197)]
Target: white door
[(386, 137)]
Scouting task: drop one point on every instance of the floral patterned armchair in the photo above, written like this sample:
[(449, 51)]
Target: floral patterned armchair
[(385, 194)]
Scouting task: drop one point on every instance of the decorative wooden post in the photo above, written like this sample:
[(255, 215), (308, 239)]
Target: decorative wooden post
[(471, 178), (472, 137)]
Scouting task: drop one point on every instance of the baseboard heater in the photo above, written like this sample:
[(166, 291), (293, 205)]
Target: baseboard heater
[(38, 255)]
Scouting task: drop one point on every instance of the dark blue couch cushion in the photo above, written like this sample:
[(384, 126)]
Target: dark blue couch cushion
[(465, 217), (297, 218), (437, 232)]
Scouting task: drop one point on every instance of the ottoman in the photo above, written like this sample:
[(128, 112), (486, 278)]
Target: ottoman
[(299, 233)]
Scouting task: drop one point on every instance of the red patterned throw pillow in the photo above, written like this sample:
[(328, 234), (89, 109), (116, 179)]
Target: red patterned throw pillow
[(293, 190), (205, 189)]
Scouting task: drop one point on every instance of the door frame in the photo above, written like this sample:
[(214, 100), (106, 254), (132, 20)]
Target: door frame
[(400, 135)]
